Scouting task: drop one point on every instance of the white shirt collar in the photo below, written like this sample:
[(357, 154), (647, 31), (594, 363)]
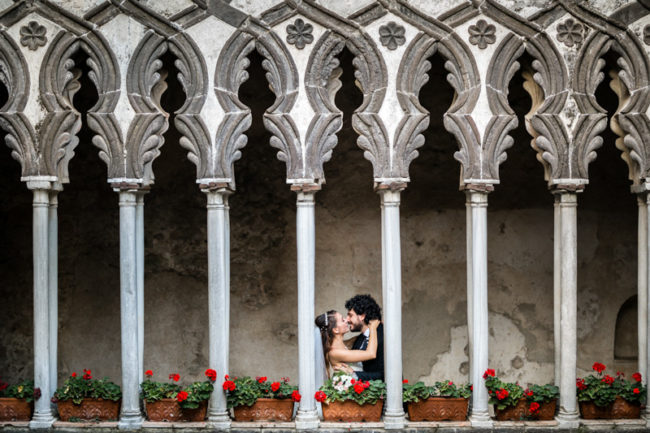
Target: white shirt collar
[(367, 333)]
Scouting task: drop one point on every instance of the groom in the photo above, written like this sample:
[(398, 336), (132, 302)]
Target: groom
[(361, 310)]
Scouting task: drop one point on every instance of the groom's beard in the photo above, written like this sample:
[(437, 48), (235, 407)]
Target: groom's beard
[(356, 328)]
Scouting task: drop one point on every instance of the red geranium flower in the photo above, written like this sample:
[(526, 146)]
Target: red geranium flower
[(148, 373), (502, 393), (175, 377), (295, 396), (211, 374), (261, 379), (488, 372), (181, 396), (636, 391), (580, 383), (275, 386), (529, 393), (471, 387), (87, 375), (366, 384), (353, 381), (37, 393), (637, 376), (358, 387), (405, 381), (226, 377), (620, 374), (73, 374), (320, 396), (608, 379), (229, 385), (450, 383), (3, 385), (598, 367), (534, 407)]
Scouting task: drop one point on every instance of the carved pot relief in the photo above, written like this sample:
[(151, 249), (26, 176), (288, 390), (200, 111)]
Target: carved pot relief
[(15, 409), (350, 411), (168, 409), (439, 409), (266, 409), (521, 411), (620, 409), (89, 409)]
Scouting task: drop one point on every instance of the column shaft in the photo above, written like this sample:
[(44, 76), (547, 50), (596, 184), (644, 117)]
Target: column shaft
[(394, 417), (130, 416), (557, 286), (218, 300), (43, 416), (307, 416), (478, 319), (139, 247), (642, 286), (53, 289), (568, 412)]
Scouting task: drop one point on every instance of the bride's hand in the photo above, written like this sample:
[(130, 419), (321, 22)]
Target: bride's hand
[(343, 367), (374, 324)]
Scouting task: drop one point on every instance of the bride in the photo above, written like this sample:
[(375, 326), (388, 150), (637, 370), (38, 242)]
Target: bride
[(332, 351)]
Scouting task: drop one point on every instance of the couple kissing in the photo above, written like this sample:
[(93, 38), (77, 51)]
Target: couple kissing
[(363, 356)]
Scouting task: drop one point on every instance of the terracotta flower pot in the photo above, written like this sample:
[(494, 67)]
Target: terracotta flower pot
[(266, 409), (166, 409), (15, 409), (89, 409), (521, 411), (196, 415), (351, 411), (620, 409), (439, 409)]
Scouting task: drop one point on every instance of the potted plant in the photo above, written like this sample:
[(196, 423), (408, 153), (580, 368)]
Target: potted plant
[(444, 401), (345, 399), (87, 398), (513, 403), (17, 401), (167, 401), (260, 400), (602, 396)]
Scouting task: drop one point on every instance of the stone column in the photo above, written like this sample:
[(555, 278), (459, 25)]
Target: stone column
[(307, 416), (139, 251), (557, 286), (568, 412), (43, 416), (130, 416), (53, 285), (218, 300), (478, 319), (470, 304), (394, 417), (646, 255), (642, 286)]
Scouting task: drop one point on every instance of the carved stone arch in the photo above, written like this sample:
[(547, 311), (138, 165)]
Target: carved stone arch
[(631, 84), (20, 138), (60, 82)]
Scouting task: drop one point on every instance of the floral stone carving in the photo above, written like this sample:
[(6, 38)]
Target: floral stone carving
[(570, 32), (33, 36), (482, 34), (300, 34), (391, 35)]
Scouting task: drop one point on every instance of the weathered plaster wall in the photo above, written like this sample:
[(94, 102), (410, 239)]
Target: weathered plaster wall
[(263, 302)]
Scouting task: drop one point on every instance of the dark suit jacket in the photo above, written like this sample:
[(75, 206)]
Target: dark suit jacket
[(374, 368)]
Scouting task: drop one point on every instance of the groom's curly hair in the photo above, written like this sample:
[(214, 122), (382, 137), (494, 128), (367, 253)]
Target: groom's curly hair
[(364, 304)]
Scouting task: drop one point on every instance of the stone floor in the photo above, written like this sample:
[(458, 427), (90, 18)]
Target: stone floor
[(619, 426)]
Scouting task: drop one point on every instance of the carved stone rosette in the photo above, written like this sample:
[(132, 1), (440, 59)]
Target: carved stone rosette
[(266, 409), (89, 409), (15, 409), (439, 409), (620, 409), (351, 411)]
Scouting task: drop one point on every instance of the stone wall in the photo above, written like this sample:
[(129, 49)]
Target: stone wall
[(263, 284)]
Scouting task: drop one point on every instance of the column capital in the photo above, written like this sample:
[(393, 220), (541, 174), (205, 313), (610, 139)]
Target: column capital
[(476, 198), (217, 198)]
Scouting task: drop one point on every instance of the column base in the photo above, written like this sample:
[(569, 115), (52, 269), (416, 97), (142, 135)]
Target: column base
[(41, 421), (218, 421), (130, 422), (568, 419), (307, 420), (394, 421), (481, 419)]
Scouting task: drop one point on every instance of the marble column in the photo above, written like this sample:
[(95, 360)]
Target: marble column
[(43, 416), (470, 286), (130, 415), (557, 287), (307, 416), (53, 285), (646, 255), (139, 252), (568, 412), (394, 417), (642, 286), (478, 319), (218, 300)]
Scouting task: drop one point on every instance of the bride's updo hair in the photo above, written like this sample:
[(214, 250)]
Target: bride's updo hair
[(326, 322)]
